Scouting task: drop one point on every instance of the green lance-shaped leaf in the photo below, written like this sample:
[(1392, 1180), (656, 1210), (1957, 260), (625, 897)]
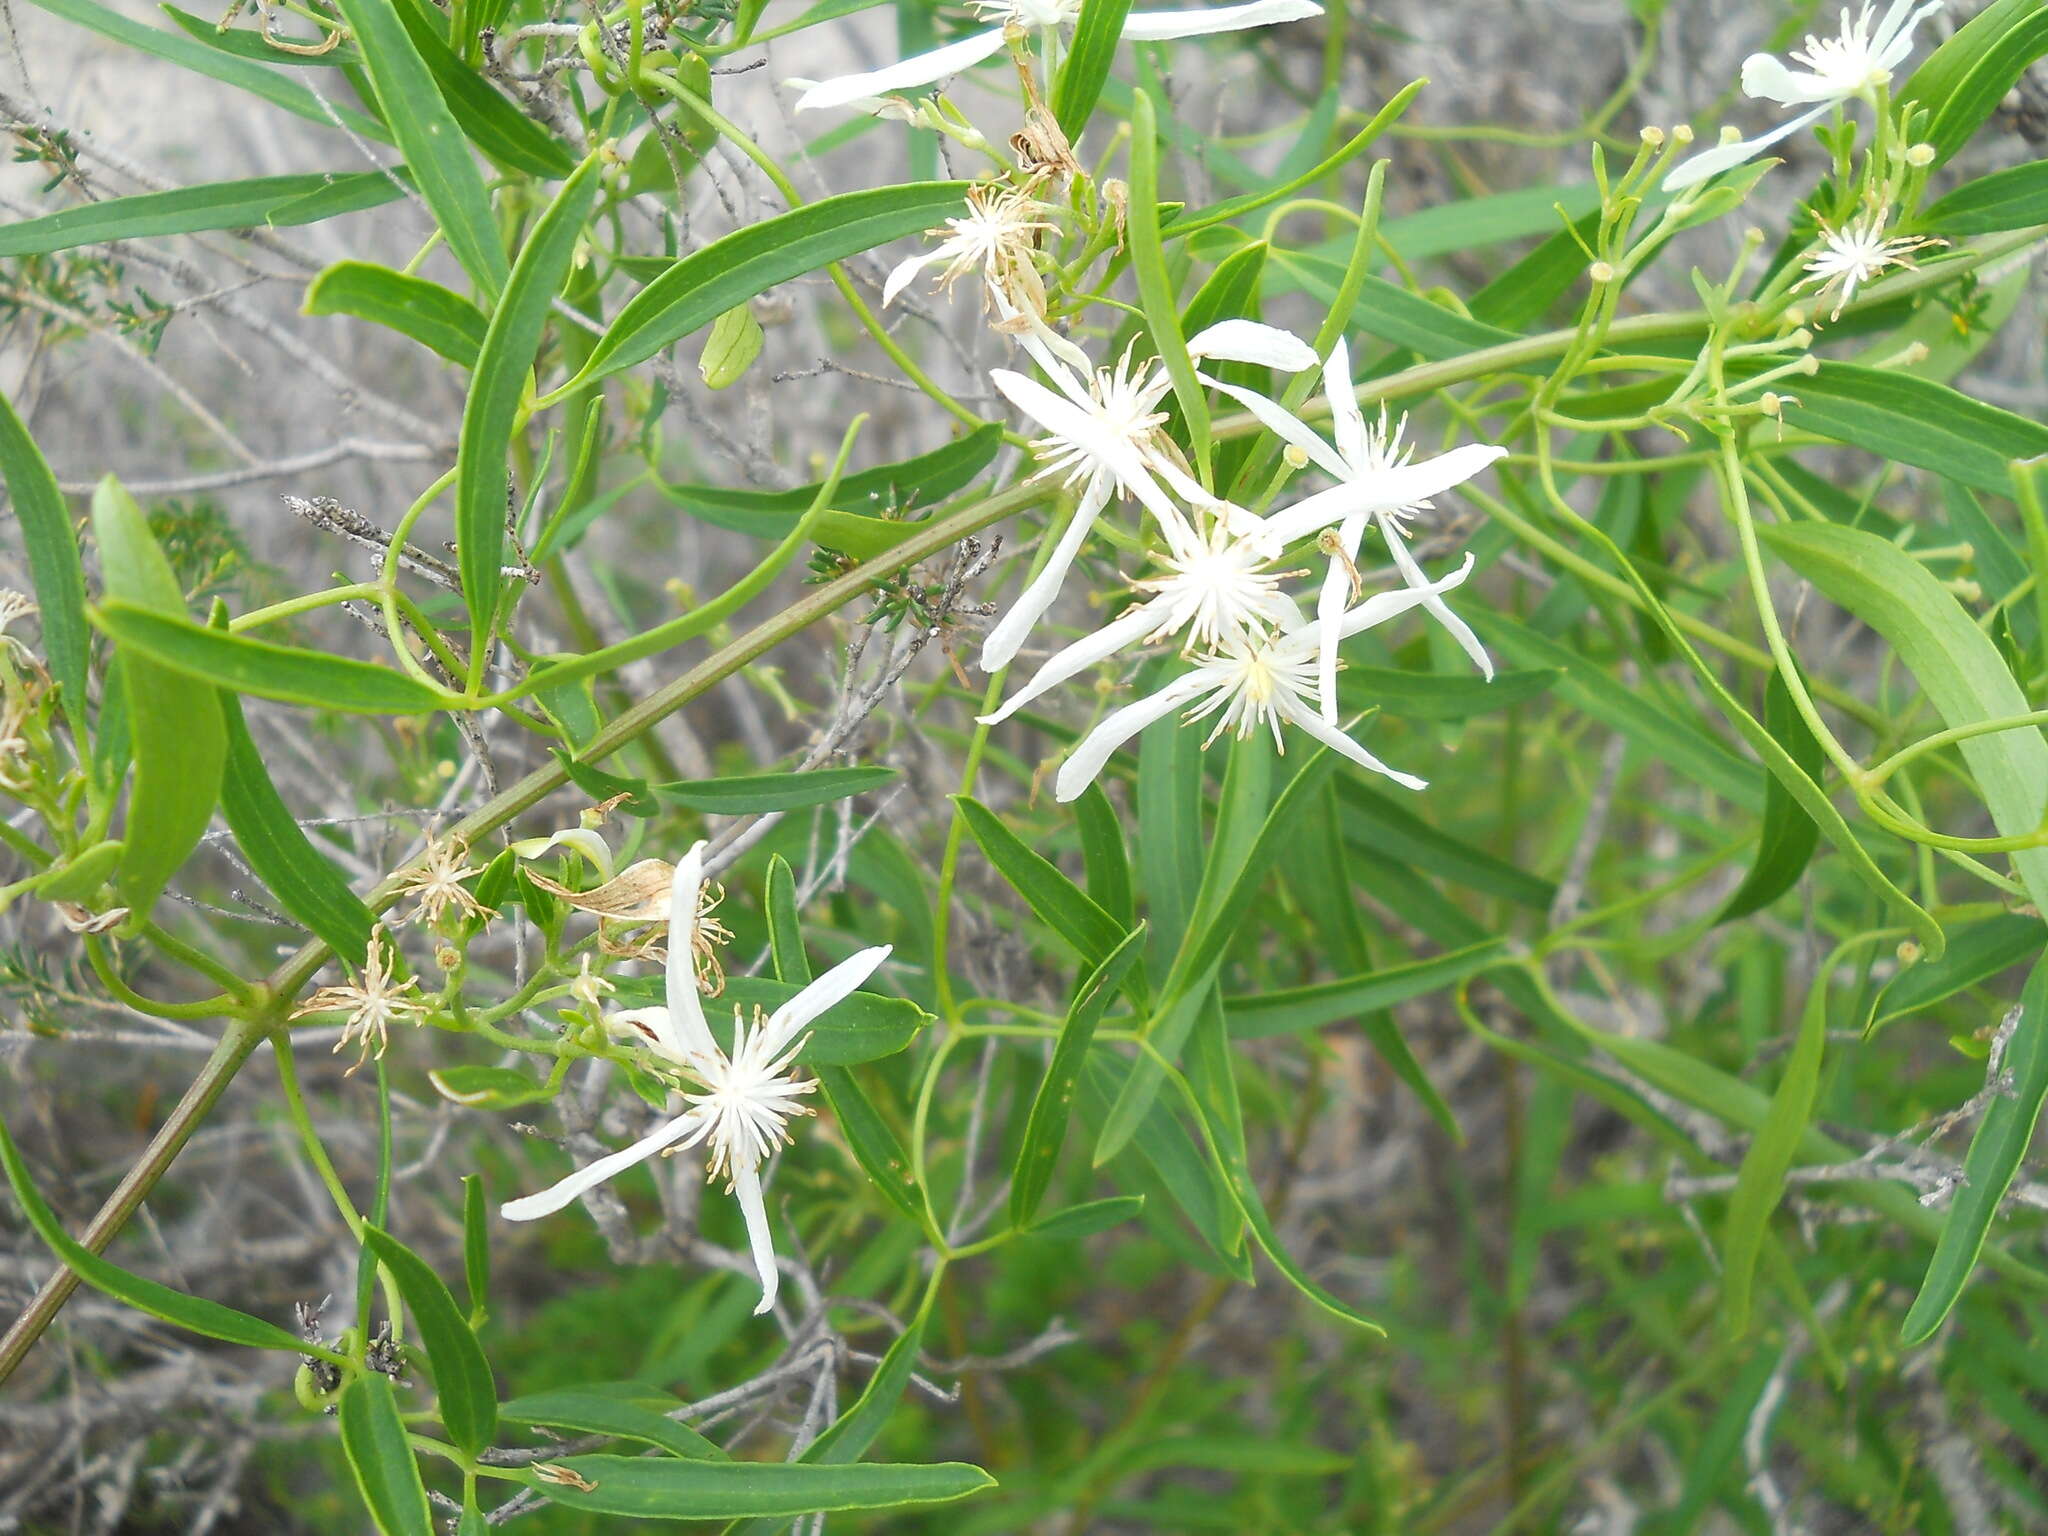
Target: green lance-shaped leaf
[(1292, 1010), (1915, 421), (1975, 954), (1096, 36), (430, 139), (868, 1136), (265, 200), (626, 1410), (437, 318), (1088, 1218), (1046, 1128), (1433, 696), (1954, 662), (476, 1247), (247, 43), (491, 415), (467, 1397), (305, 881), (706, 283), (1963, 81), (174, 720), (661, 1489), (387, 1476), (730, 349), (757, 792), (2008, 199), (493, 124), (2001, 1141), (1760, 1183), (1788, 836), (1060, 904), (1103, 855), (1228, 890), (1155, 287), (288, 673), (193, 1313), (53, 563), (1385, 826), (241, 73)]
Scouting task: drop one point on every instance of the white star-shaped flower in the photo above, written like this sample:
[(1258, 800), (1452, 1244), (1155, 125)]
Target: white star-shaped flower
[(1267, 682), (749, 1095), (1851, 65), (1377, 481), (1042, 16), (1855, 254), (1219, 590)]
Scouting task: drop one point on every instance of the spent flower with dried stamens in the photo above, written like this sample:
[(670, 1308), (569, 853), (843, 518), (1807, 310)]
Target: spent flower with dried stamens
[(436, 882), (998, 236), (749, 1095), (1855, 254), (1854, 64), (373, 1003)]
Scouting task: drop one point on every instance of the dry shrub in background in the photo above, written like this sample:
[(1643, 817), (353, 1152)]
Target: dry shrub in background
[(1079, 768)]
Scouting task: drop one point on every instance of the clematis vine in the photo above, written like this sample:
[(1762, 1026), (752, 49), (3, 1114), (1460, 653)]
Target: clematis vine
[(1265, 682), (1855, 254), (1026, 16), (1378, 482), (1855, 64), (748, 1095)]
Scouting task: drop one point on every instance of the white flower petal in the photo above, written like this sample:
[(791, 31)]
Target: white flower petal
[(1285, 425), (1004, 641), (1439, 610), (686, 1010), (901, 274), (1078, 657), (552, 1199), (746, 1187), (1769, 78), (1894, 45), (1097, 747), (1247, 341), (820, 997), (1292, 711), (1408, 486), (1723, 157), (904, 75), (1347, 421), (1162, 26)]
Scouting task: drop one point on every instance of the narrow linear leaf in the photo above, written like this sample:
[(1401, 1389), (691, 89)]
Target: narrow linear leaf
[(437, 318), (431, 141), (1975, 955), (476, 1247), (2001, 1142), (759, 792), (1965, 79), (1294, 1009), (1088, 1218), (304, 880), (1760, 1182), (2008, 199), (706, 283), (1155, 287), (247, 43), (657, 1489), (174, 721), (1102, 853), (1788, 836), (193, 1313), (468, 1398), (504, 365), (1046, 1127), (1089, 56), (1062, 905), (874, 1145), (288, 673), (493, 124), (387, 1476), (633, 1412), (266, 200), (53, 562), (243, 74)]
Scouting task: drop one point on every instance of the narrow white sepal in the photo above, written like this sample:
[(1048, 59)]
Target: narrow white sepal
[(1164, 26), (905, 74), (553, 1198), (1248, 341)]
